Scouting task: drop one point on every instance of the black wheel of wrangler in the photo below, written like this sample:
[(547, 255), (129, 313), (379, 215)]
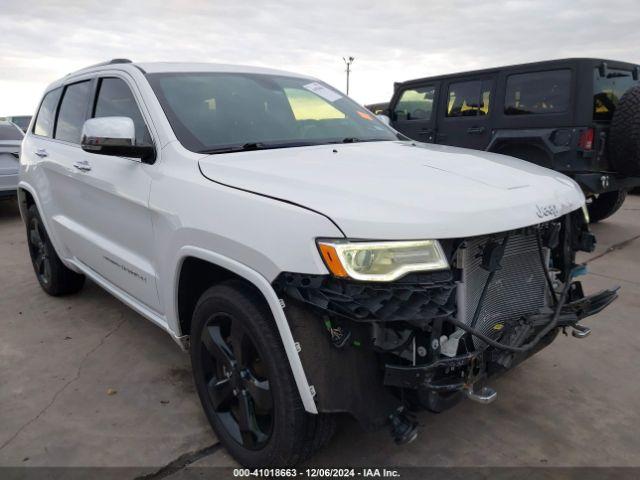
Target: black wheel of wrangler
[(244, 381), (624, 136), (605, 205), (54, 277)]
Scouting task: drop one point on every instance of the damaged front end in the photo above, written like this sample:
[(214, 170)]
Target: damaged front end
[(380, 349)]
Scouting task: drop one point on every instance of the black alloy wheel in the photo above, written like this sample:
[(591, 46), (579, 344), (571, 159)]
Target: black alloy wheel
[(245, 382), (39, 250), (237, 382), (53, 276)]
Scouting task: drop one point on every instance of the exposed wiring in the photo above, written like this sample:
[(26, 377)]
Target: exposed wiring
[(550, 326)]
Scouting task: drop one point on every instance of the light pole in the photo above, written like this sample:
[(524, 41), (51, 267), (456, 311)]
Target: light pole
[(348, 62)]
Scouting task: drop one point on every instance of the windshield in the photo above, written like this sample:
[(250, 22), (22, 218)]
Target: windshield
[(221, 112)]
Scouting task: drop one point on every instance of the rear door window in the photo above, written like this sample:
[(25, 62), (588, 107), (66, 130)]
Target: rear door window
[(607, 90), (538, 92), (469, 99), (73, 112), (46, 114), (115, 99), (10, 132), (415, 104)]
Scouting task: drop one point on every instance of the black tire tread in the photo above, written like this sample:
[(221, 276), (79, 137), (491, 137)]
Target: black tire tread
[(605, 205), (624, 135)]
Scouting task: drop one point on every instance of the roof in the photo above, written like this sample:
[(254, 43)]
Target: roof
[(544, 63), (178, 67), (172, 67)]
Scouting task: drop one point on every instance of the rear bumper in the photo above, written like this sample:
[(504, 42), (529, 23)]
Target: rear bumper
[(601, 182)]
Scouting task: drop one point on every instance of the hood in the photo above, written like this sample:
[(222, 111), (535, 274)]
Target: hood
[(402, 190)]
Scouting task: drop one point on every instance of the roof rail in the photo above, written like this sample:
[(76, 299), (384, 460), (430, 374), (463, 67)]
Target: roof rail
[(102, 64)]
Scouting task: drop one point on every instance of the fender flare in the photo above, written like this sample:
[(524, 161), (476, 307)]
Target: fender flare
[(263, 285)]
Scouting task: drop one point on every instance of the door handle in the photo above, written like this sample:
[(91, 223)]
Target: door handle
[(476, 130), (83, 166), (41, 152)]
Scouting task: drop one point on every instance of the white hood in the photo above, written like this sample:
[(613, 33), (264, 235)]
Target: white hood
[(398, 190)]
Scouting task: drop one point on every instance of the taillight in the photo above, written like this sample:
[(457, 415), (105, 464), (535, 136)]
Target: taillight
[(586, 139)]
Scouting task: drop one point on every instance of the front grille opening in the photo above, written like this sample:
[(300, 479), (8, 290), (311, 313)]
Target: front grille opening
[(517, 289)]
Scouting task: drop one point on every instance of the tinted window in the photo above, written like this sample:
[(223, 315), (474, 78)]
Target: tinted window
[(73, 112), (469, 99), (10, 132), (540, 92), (46, 114), (209, 111), (608, 89), (415, 104), (115, 99)]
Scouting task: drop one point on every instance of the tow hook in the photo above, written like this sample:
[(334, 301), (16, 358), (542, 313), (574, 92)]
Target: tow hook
[(580, 331), (404, 429), (485, 395)]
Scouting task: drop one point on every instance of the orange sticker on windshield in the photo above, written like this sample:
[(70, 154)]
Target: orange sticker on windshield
[(364, 115)]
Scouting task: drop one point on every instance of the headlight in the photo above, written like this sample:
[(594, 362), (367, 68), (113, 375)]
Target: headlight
[(381, 261)]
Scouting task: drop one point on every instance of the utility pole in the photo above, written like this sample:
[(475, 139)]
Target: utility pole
[(348, 62)]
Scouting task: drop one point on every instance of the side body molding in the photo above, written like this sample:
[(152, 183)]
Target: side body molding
[(261, 283)]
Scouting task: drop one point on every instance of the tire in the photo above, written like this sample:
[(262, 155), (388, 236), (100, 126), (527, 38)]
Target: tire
[(605, 205), (245, 384), (624, 136), (54, 277)]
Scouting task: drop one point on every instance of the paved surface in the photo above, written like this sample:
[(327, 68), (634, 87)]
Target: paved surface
[(84, 381)]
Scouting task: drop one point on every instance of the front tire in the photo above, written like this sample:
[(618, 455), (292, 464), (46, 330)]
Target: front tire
[(54, 277), (605, 205), (245, 384)]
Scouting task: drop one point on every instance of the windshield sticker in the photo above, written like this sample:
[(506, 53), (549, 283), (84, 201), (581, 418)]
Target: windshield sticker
[(364, 115), (323, 91)]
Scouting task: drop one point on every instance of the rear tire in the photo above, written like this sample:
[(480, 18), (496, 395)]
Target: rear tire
[(54, 277), (605, 205), (235, 348)]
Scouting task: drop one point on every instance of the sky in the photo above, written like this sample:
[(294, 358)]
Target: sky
[(41, 41)]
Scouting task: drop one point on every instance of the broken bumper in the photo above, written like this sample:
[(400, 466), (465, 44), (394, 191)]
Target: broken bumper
[(457, 373)]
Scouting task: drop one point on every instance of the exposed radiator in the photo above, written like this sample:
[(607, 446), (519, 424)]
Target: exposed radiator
[(519, 288)]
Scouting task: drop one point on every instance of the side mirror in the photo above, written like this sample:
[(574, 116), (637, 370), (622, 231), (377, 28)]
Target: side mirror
[(384, 119), (114, 136)]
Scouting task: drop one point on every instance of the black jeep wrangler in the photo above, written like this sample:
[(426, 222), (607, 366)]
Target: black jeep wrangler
[(580, 116)]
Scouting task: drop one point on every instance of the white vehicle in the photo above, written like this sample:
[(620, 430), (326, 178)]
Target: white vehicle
[(312, 259), (10, 140)]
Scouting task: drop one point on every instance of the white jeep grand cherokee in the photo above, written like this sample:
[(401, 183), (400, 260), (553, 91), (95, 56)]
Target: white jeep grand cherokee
[(312, 259)]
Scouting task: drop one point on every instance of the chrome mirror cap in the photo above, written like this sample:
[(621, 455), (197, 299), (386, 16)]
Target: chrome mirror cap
[(108, 131)]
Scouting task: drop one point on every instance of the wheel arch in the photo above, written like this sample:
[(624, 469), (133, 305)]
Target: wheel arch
[(213, 268), (533, 150), (28, 196)]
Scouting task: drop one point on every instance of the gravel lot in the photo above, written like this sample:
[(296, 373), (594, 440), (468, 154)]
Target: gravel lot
[(85, 381)]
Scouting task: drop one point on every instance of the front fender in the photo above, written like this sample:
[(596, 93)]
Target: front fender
[(263, 285)]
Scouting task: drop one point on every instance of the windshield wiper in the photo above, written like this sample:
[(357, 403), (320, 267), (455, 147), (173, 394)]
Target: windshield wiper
[(257, 146)]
